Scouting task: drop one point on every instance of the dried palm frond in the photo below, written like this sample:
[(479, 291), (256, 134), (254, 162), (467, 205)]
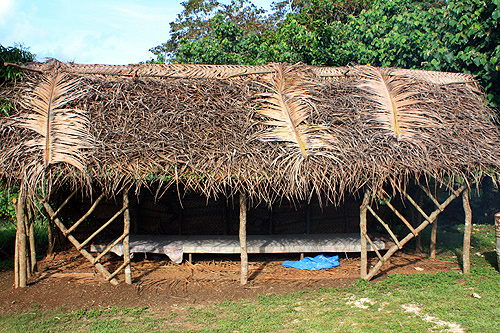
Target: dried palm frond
[(288, 103), (439, 78), (180, 71), (63, 133), (396, 111)]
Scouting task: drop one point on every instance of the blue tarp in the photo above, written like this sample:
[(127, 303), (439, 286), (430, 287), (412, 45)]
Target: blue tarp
[(309, 263)]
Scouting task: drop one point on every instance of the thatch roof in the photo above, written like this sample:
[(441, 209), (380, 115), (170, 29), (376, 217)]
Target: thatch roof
[(272, 131)]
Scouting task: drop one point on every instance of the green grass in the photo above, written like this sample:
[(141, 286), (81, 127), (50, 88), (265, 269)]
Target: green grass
[(382, 306)]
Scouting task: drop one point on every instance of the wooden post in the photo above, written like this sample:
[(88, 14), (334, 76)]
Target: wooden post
[(126, 244), (497, 235), (243, 238), (432, 246), (50, 237), (432, 253), (21, 241), (16, 250), (32, 245), (363, 232), (467, 231)]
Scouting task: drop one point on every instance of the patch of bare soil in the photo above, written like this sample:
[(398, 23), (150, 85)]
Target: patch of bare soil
[(67, 281)]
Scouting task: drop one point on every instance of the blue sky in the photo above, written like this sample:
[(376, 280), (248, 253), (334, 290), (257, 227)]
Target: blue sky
[(90, 31)]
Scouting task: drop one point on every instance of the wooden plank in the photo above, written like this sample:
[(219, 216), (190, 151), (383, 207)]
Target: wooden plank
[(243, 239), (362, 227), (422, 226), (467, 231)]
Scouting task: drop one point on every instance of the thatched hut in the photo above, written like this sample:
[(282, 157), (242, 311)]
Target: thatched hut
[(257, 133)]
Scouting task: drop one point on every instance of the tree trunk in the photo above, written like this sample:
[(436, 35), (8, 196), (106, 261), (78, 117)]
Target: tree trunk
[(363, 231), (243, 239), (467, 231)]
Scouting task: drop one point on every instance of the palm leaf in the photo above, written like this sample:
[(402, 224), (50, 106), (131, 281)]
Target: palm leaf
[(438, 78), (63, 132), (288, 104), (396, 109)]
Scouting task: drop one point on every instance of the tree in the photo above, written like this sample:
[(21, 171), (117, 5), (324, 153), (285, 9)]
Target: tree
[(196, 22)]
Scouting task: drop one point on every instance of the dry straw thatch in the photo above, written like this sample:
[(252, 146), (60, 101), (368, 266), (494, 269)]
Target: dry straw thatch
[(271, 131)]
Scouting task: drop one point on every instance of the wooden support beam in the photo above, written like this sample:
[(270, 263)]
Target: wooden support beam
[(126, 231), (385, 225), (373, 247), (100, 268), (243, 238), (429, 194), (111, 220), (401, 217), (422, 226), (122, 266), (467, 232), (81, 219), (363, 228), (497, 236), (109, 247), (21, 238), (65, 202), (433, 240)]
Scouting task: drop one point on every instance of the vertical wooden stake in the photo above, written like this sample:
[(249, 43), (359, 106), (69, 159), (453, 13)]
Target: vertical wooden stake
[(126, 244), (243, 238), (467, 231), (362, 227), (497, 235), (32, 245), (432, 253), (21, 230), (16, 250)]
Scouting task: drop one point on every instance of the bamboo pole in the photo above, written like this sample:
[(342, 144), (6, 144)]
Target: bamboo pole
[(405, 240), (126, 244), (467, 232), (21, 205), (362, 227), (497, 235), (243, 238)]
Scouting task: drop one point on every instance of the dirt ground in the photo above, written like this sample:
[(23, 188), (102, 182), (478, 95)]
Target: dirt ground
[(67, 281)]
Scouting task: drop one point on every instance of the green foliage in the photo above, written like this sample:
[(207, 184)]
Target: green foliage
[(12, 54), (457, 36), (7, 210), (16, 55)]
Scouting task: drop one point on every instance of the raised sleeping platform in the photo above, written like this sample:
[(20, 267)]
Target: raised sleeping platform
[(174, 246)]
